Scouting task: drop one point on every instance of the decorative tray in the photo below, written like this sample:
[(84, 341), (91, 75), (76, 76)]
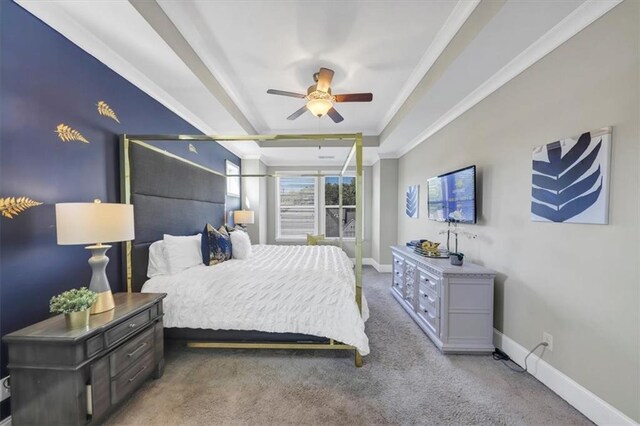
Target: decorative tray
[(438, 255)]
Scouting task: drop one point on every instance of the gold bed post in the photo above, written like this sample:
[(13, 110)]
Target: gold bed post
[(359, 216), (125, 196)]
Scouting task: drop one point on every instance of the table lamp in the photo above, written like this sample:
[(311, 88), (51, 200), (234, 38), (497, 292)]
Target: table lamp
[(95, 223), (243, 217)]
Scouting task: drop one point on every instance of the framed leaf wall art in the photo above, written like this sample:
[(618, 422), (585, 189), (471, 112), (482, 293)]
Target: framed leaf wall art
[(413, 193), (570, 179)]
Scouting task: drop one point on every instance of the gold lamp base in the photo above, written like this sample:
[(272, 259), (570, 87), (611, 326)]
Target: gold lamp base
[(103, 303)]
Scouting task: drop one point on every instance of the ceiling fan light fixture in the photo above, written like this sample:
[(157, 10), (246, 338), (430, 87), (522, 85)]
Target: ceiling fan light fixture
[(319, 107)]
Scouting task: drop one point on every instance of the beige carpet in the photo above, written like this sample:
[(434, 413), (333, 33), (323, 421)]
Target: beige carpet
[(405, 380)]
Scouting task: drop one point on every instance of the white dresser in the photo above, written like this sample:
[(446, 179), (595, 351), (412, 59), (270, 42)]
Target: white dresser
[(452, 304)]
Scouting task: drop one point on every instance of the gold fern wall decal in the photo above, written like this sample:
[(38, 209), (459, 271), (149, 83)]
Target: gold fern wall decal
[(66, 134), (11, 206), (105, 109)]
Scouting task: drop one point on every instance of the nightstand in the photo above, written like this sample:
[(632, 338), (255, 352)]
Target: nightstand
[(76, 377)]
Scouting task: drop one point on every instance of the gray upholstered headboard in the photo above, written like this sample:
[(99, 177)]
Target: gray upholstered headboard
[(170, 195)]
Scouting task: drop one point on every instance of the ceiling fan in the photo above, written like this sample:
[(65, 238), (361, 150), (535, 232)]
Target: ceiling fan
[(319, 98)]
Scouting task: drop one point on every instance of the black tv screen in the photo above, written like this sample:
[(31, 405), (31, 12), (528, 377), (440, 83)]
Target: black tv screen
[(453, 196)]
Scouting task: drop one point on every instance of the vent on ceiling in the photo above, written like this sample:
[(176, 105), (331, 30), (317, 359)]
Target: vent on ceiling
[(326, 157)]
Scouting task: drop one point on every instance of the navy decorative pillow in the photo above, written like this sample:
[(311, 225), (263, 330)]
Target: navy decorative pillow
[(216, 245)]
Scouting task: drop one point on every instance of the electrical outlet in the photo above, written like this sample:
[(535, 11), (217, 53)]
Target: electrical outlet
[(548, 339), (5, 390)]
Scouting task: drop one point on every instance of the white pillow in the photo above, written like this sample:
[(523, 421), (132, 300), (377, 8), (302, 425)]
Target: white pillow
[(240, 244), (182, 252), (157, 262)]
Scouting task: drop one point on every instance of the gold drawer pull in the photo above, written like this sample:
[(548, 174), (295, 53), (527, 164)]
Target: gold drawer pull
[(137, 374), (129, 355)]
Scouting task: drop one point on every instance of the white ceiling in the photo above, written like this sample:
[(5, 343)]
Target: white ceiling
[(211, 62), (253, 46)]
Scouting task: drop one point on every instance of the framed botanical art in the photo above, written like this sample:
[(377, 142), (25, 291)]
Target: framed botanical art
[(413, 193), (570, 179)]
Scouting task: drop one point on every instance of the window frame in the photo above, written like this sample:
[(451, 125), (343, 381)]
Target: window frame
[(324, 207), (279, 237), (230, 180)]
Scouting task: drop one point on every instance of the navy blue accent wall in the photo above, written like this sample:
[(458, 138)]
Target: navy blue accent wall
[(46, 80)]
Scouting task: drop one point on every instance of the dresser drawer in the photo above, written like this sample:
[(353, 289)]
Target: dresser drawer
[(130, 326), (132, 377), (398, 283), (428, 281), (432, 321), (398, 262), (429, 301), (130, 352)]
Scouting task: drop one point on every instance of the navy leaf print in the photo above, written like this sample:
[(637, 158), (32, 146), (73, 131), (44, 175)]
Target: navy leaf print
[(569, 210), (569, 158), (569, 193), (412, 201), (556, 183), (560, 183)]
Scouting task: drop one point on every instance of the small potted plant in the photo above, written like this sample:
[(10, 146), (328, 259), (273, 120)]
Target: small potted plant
[(75, 305)]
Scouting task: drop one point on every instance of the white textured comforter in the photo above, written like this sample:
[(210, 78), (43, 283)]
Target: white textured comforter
[(283, 289)]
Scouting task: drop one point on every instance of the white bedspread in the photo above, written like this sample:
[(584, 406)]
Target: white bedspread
[(283, 289)]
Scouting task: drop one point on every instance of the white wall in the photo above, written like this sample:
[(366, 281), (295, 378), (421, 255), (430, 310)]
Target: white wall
[(578, 282), (385, 211)]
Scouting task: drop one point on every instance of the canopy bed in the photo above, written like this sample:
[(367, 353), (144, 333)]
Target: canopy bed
[(282, 297)]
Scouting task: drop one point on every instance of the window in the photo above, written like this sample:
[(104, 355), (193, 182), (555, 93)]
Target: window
[(233, 183), (297, 208), (331, 207), (310, 205)]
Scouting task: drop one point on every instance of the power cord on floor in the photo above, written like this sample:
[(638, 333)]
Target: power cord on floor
[(498, 355)]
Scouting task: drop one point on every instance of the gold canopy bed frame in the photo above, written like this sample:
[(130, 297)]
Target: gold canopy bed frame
[(352, 140)]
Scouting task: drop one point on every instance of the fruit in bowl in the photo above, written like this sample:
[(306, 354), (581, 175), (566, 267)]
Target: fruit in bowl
[(430, 247)]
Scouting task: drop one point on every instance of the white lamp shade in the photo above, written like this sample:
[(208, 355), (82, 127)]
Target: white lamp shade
[(243, 216), (91, 223)]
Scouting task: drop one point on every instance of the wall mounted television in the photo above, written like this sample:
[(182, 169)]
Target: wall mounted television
[(451, 192)]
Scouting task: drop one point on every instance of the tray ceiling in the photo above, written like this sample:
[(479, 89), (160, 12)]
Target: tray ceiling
[(426, 62)]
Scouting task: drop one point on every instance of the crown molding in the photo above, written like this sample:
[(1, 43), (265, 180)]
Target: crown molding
[(572, 24), (459, 15), (252, 157), (55, 17)]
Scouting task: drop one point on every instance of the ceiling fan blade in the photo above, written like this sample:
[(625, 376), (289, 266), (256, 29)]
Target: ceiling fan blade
[(335, 115), (324, 79), (354, 97), (298, 113), (285, 93)]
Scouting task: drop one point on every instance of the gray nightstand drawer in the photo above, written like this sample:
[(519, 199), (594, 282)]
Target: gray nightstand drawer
[(130, 379), (122, 330), (131, 351)]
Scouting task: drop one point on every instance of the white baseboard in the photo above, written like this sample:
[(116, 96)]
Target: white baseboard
[(384, 269), (589, 404)]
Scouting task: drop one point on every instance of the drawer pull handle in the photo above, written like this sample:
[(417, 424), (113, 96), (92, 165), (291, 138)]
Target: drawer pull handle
[(130, 354), (133, 324), (137, 374)]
